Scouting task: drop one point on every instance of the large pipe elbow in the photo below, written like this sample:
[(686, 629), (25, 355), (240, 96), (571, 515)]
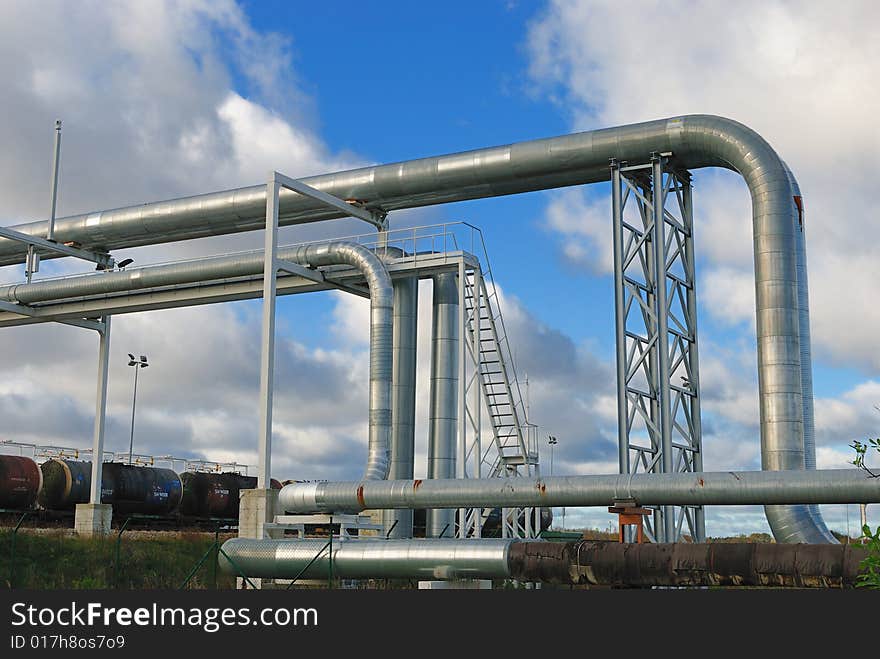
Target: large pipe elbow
[(381, 309)]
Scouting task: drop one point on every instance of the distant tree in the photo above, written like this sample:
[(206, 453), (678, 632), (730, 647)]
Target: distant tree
[(870, 566), (860, 450)]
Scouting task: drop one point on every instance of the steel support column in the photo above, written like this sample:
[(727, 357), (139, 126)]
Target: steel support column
[(399, 523), (656, 328), (443, 428), (267, 352), (100, 411)]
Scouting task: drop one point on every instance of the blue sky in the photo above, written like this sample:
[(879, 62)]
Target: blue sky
[(185, 97)]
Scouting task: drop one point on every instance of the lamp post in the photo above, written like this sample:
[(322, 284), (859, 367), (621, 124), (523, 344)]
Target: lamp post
[(552, 441), (138, 364)]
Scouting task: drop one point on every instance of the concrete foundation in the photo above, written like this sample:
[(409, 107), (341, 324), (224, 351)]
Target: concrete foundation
[(92, 519), (256, 508)]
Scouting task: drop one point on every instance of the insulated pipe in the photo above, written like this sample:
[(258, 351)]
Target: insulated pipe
[(687, 564), (695, 141), (362, 559), (224, 267), (585, 562), (399, 523), (679, 489), (443, 417), (790, 523)]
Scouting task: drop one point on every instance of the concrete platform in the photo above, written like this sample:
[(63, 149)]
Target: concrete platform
[(92, 519), (256, 508)]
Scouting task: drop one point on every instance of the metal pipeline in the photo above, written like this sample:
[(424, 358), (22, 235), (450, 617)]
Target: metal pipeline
[(791, 523), (399, 523), (687, 564), (362, 559), (575, 563), (224, 267), (694, 140), (443, 417), (679, 489)]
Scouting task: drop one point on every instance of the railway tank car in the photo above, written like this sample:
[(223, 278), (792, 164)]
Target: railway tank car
[(215, 495), (131, 489), (20, 482)]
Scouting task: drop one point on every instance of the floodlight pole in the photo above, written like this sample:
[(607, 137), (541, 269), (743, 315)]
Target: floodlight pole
[(138, 365), (50, 232)]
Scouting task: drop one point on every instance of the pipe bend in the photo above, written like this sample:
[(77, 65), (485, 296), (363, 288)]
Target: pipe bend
[(381, 308)]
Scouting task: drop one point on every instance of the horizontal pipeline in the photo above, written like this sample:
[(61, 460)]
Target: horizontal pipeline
[(706, 488), (366, 559), (572, 563), (697, 141), (686, 564)]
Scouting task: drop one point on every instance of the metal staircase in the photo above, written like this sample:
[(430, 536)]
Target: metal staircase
[(501, 390), (513, 451)]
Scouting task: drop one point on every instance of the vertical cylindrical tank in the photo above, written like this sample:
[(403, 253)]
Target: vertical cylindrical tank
[(443, 418), (399, 523), (20, 482)]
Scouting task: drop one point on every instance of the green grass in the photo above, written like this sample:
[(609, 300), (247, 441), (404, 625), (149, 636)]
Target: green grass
[(57, 559)]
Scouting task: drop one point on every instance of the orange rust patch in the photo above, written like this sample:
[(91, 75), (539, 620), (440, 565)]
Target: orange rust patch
[(360, 495), (702, 483), (417, 484), (542, 488)]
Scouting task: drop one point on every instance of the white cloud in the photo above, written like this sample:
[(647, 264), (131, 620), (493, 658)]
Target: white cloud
[(608, 66), (150, 112), (855, 415), (585, 227)]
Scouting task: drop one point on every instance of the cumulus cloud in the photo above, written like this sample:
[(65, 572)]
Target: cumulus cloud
[(815, 104), (164, 100)]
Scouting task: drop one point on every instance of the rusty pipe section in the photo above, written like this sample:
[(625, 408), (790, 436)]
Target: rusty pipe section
[(685, 564), (680, 489)]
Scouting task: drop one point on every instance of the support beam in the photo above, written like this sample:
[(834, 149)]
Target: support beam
[(104, 260), (94, 517), (267, 352), (100, 410), (348, 208), (318, 277), (29, 312), (661, 309)]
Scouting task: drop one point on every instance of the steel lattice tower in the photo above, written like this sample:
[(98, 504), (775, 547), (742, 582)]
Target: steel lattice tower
[(658, 400)]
